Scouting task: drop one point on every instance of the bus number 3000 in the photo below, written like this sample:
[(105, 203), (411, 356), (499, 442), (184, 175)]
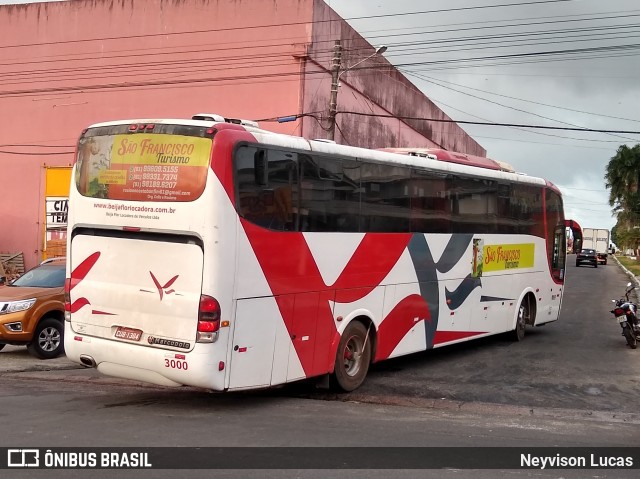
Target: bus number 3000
[(176, 364)]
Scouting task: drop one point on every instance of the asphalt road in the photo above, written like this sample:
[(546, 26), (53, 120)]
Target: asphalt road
[(579, 362)]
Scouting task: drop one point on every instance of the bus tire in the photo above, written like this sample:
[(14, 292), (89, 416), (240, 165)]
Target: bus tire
[(352, 358), (2, 346), (521, 320)]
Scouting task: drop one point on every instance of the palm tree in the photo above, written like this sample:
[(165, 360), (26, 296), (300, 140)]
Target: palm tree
[(623, 172), (623, 179)]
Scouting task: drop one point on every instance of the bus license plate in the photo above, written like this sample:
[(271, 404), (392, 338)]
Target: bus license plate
[(128, 333), (621, 319)]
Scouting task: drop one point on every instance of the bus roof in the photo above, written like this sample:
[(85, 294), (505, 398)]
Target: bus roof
[(431, 158)]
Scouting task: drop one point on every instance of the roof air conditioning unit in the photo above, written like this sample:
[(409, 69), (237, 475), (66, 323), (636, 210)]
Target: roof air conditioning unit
[(222, 119)]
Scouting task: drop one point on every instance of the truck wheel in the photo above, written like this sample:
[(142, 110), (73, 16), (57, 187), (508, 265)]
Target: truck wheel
[(47, 342), (353, 358)]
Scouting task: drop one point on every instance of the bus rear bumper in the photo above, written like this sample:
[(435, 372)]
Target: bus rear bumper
[(196, 368), (135, 374)]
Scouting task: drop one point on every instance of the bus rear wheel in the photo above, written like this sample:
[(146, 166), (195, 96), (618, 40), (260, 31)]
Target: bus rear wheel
[(521, 321), (353, 358)]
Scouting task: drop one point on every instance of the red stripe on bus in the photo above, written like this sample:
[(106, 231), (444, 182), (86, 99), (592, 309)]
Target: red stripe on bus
[(448, 336), (81, 271), (399, 322), (295, 280)]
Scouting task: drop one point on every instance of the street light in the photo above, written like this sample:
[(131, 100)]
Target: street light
[(336, 72)]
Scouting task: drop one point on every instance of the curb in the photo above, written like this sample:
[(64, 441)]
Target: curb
[(634, 278), (629, 273), (80, 375)]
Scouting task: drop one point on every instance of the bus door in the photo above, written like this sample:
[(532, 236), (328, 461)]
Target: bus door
[(278, 340), (254, 341), (281, 339)]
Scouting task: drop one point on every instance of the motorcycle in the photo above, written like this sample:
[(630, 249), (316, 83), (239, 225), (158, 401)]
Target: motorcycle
[(626, 314)]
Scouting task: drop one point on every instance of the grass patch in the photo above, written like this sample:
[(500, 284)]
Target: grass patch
[(632, 265)]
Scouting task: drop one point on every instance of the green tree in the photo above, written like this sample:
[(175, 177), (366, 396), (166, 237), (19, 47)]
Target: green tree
[(623, 180)]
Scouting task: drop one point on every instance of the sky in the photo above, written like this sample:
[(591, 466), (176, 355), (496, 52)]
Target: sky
[(596, 89), (498, 61)]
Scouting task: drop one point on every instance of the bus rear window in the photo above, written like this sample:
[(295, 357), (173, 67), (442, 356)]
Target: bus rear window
[(143, 166)]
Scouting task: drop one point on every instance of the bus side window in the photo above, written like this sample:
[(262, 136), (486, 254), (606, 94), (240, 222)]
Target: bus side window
[(329, 194), (474, 205), (384, 198), (265, 182), (430, 202)]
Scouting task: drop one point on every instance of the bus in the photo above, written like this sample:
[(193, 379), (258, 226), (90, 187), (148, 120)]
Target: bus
[(211, 253)]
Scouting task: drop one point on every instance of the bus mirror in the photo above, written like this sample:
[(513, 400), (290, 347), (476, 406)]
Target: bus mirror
[(260, 167)]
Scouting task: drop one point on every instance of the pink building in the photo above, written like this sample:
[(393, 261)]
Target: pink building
[(66, 65)]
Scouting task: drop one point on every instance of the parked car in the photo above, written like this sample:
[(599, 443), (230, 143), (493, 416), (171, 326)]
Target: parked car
[(587, 256), (32, 310)]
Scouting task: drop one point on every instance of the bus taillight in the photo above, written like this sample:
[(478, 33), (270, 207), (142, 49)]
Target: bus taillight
[(208, 320), (67, 299)]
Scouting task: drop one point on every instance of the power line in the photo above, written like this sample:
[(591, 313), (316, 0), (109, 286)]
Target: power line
[(532, 132), (510, 107), (634, 46), (564, 145), (129, 65), (530, 101), (247, 27), (526, 23), (146, 67), (579, 189), (271, 75), (218, 48), (316, 52), (500, 42), (31, 153), (235, 58), (20, 145), (518, 125)]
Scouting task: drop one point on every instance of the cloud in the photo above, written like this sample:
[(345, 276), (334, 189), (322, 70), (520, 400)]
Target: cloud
[(602, 82)]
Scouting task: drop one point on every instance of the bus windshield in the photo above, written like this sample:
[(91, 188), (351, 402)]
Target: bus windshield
[(152, 166)]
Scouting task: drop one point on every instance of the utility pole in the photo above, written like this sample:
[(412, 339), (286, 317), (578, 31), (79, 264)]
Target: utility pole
[(336, 71), (333, 98)]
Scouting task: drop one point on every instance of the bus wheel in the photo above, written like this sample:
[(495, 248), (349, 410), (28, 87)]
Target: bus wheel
[(521, 321), (353, 357)]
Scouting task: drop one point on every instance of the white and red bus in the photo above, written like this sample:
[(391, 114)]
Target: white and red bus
[(211, 253)]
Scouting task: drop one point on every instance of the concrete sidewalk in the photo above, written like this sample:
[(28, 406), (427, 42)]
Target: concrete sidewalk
[(17, 363), (15, 359)]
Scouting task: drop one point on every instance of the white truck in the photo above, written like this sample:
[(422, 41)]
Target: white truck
[(598, 240)]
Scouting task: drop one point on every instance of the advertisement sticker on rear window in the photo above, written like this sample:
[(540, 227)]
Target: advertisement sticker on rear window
[(143, 167)]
